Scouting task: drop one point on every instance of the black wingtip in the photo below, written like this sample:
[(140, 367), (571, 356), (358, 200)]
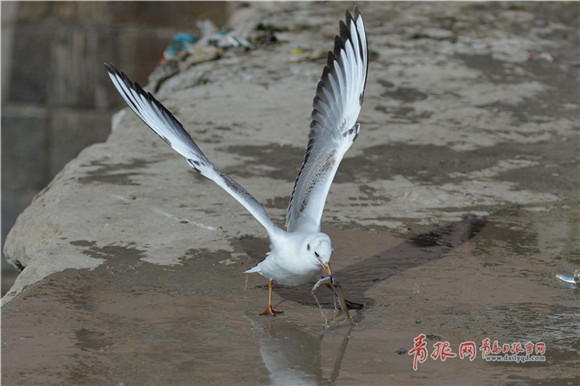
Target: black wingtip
[(354, 16), (357, 13), (128, 82), (111, 69), (344, 32), (347, 17)]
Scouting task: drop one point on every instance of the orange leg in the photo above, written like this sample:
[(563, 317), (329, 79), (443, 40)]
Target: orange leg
[(270, 310)]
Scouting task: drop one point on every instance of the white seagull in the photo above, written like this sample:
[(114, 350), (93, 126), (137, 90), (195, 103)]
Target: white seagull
[(301, 253)]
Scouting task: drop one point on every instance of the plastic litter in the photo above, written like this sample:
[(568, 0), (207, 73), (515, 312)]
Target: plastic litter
[(571, 282)]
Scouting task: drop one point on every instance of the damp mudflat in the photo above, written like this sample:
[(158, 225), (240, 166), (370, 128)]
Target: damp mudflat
[(130, 322)]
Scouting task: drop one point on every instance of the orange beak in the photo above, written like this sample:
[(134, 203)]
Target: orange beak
[(326, 268)]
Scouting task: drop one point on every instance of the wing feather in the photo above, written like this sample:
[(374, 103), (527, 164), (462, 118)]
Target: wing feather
[(164, 124), (333, 128)]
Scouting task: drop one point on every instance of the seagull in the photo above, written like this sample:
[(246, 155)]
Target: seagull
[(301, 253)]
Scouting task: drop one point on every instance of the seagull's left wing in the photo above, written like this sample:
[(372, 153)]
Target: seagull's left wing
[(162, 122), (333, 127)]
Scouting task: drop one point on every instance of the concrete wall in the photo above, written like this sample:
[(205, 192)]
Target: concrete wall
[(56, 97)]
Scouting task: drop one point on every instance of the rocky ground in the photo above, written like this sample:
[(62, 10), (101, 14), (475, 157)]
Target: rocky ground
[(450, 215)]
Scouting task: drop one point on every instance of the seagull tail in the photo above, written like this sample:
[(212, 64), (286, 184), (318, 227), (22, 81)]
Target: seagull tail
[(256, 269)]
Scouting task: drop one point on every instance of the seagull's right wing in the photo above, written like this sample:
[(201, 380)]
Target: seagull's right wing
[(162, 122)]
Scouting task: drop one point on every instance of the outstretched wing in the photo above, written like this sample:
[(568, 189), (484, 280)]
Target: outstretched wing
[(162, 122), (333, 127)]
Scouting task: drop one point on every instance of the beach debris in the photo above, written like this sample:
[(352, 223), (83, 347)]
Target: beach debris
[(570, 282)]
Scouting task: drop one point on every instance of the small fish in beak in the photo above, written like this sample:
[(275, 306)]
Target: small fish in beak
[(336, 289)]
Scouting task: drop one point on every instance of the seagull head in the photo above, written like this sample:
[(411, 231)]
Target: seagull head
[(319, 250)]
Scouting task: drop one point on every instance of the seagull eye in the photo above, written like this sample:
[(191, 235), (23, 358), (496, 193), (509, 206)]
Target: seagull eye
[(316, 254)]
